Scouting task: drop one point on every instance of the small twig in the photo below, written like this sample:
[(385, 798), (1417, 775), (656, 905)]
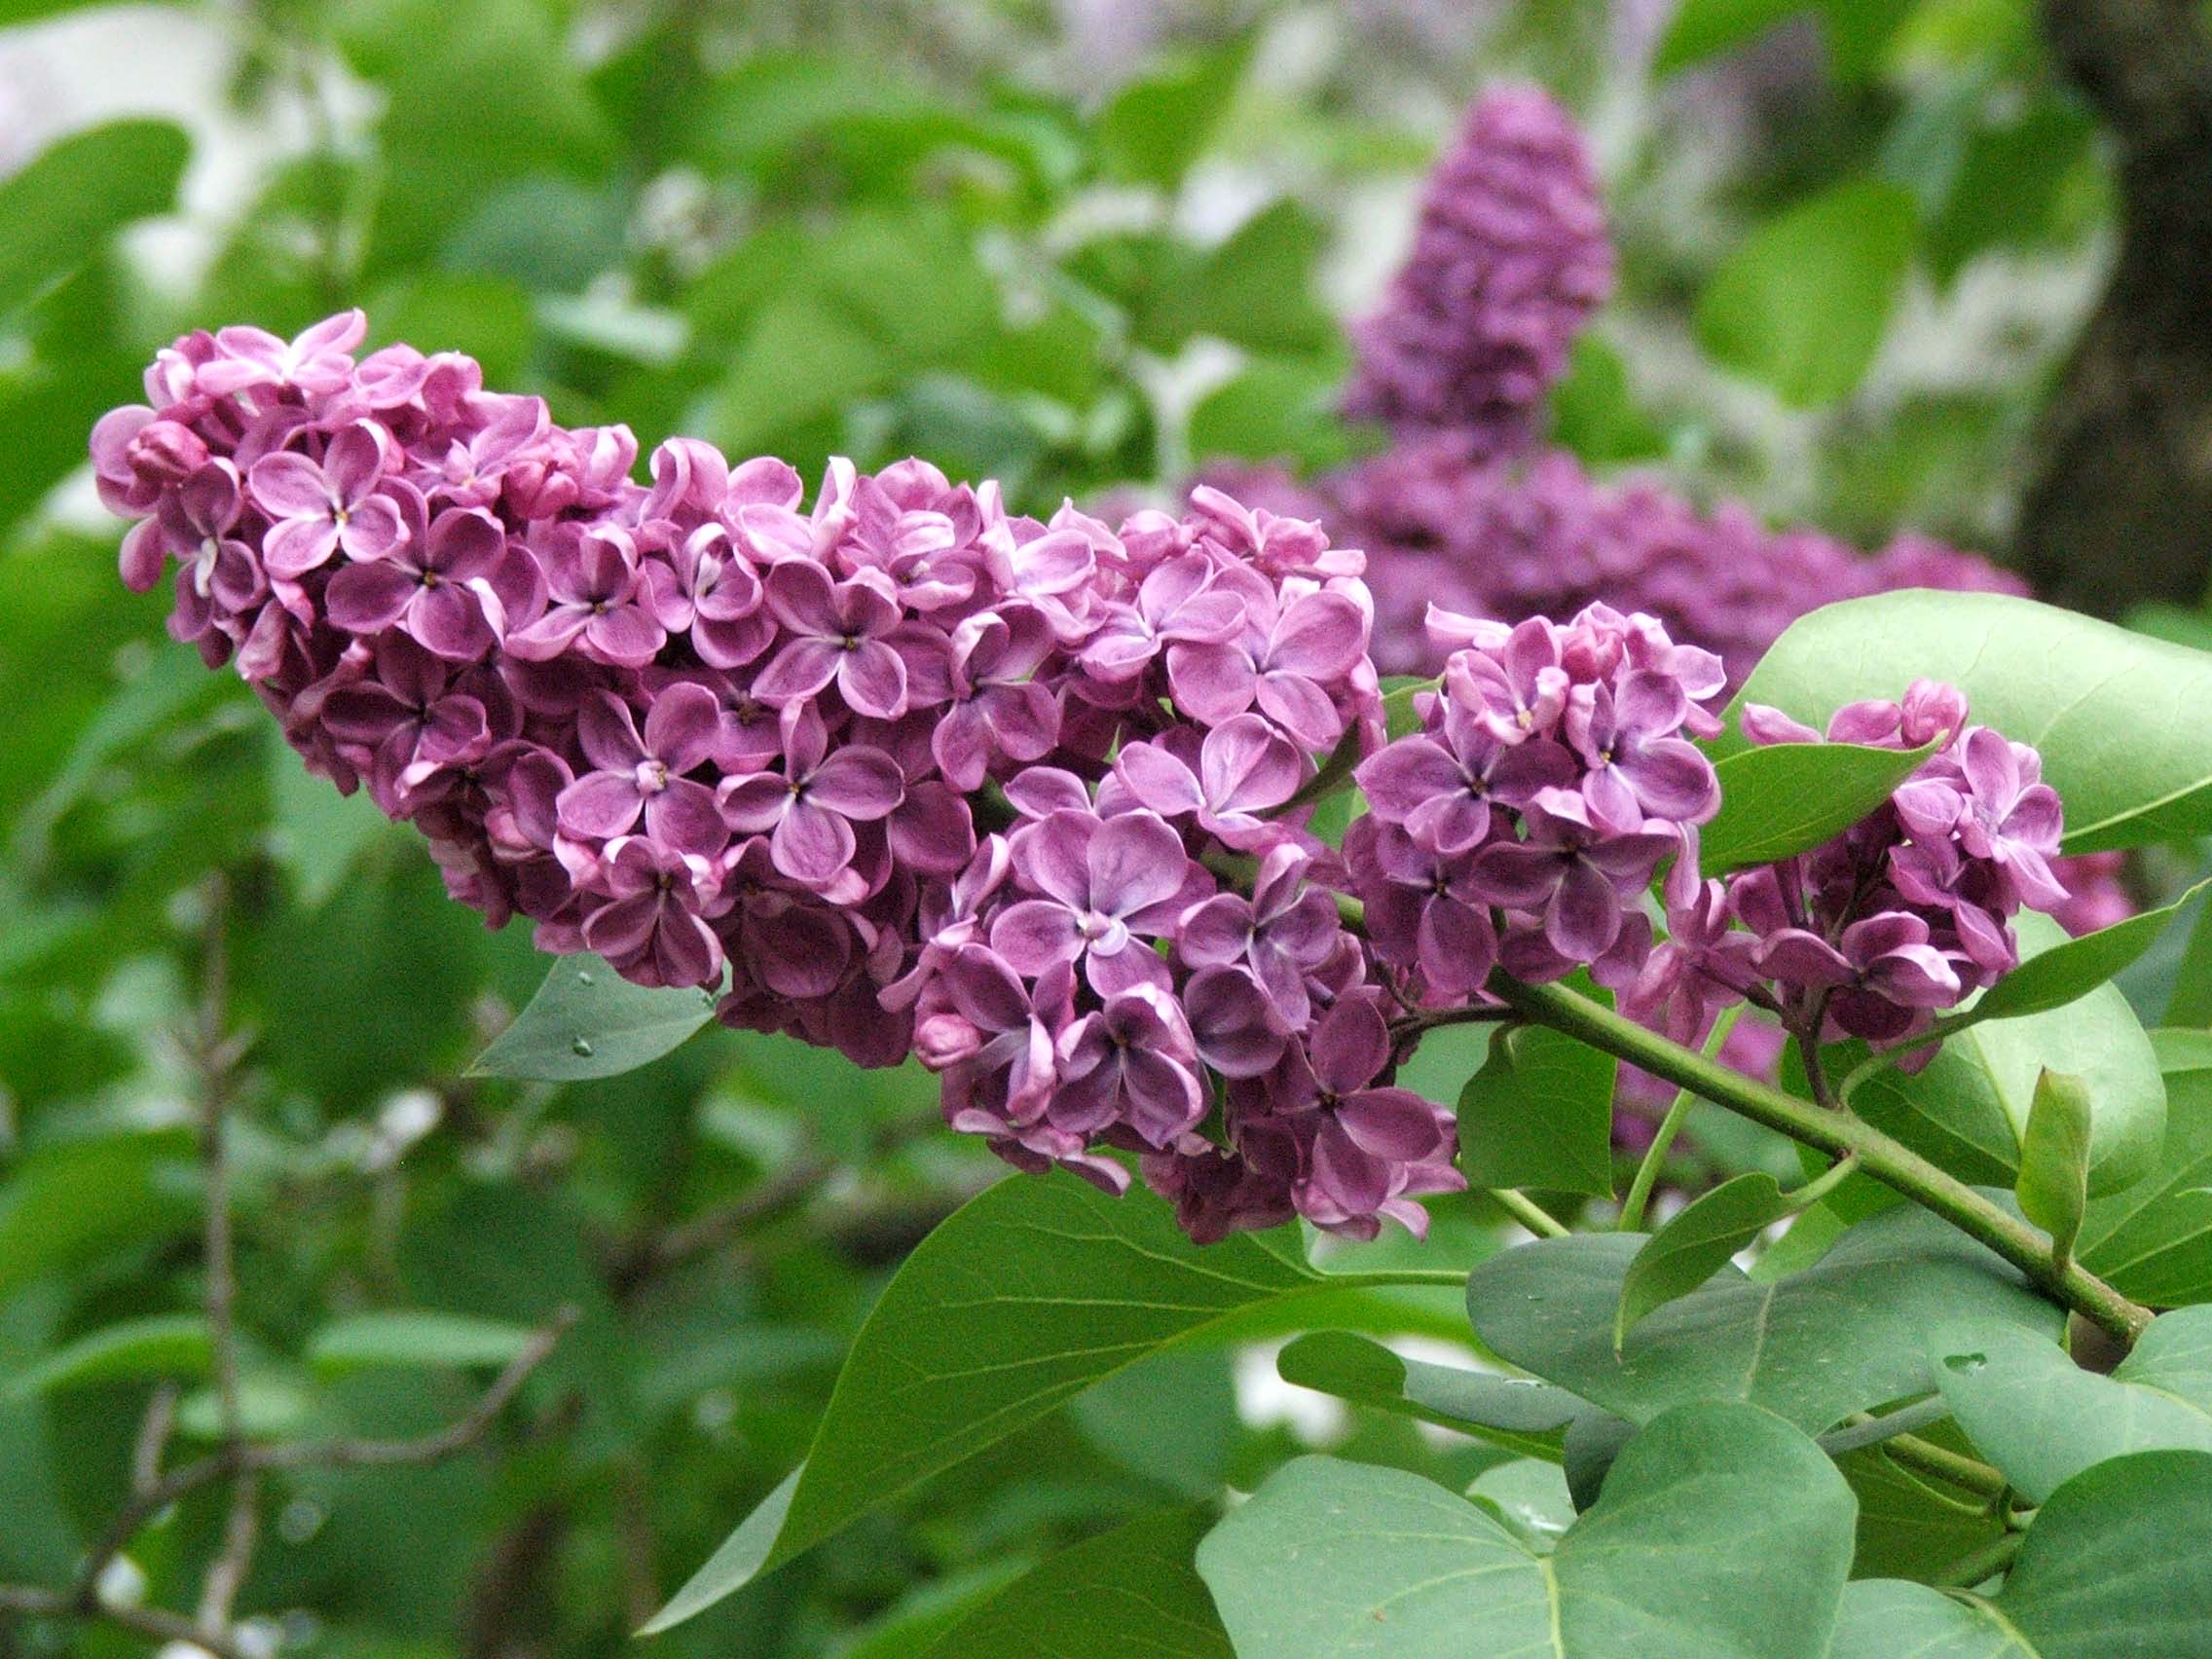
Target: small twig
[(1970, 1474), (1969, 1571), (1530, 1214), (214, 1058), (153, 1440), (155, 1624), (711, 1231), (1864, 1428), (1435, 1019), (1663, 1138), (248, 1457)]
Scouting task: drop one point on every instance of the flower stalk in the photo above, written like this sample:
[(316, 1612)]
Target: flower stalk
[(1838, 1134)]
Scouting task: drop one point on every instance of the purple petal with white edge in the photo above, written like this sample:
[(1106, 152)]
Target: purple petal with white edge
[(1159, 780), (1803, 959), (1350, 1045), (1390, 1122), (1584, 916), (1408, 776), (1134, 860), (1036, 933), (858, 783), (811, 845)]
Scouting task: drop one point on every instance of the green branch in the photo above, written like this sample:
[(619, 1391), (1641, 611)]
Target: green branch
[(1836, 1133)]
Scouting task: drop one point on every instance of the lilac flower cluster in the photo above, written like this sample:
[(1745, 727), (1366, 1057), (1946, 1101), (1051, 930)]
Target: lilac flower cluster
[(899, 771), (1906, 913), (1510, 257), (1550, 780), (1537, 536)]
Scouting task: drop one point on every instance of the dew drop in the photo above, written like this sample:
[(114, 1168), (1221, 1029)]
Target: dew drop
[(581, 1048), (583, 977), (1966, 1364)]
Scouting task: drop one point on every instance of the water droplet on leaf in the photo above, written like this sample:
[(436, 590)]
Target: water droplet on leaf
[(583, 977), (581, 1048)]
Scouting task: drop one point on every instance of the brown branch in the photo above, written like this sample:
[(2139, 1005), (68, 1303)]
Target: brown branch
[(155, 1624), (153, 1437), (2125, 447), (216, 1056), (781, 1193), (249, 1458)]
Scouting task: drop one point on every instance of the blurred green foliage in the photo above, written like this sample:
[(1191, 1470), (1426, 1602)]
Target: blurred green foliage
[(808, 229)]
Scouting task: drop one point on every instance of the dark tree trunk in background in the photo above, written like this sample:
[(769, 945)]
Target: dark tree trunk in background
[(2121, 509)]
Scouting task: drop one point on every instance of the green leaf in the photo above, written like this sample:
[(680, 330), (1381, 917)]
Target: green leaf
[(1705, 28), (2053, 1188), (1911, 1526), (1722, 1533), (2153, 1242), (1277, 410), (1788, 798), (1968, 1109), (1519, 1413), (587, 1021), (1255, 290), (414, 1339), (316, 834), (161, 1345), (59, 209), (1023, 1297), (1129, 1594), (2054, 977), (1696, 1244), (2190, 1003), (1400, 715), (1803, 303), (272, 1406), (1595, 412), (2113, 1566), (2023, 182), (1156, 126), (68, 1206), (1540, 1114), (2042, 1419), (1846, 1334), (2117, 717)]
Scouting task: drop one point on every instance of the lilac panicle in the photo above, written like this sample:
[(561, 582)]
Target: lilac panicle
[(1510, 257), (900, 772), (728, 738)]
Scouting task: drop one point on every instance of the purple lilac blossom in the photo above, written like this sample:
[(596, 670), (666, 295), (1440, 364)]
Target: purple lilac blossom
[(1510, 257), (904, 773), (898, 772), (1904, 914)]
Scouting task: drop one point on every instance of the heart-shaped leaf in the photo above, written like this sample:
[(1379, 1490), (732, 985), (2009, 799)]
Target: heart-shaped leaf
[(1722, 1533), (2118, 717), (2113, 1566), (1787, 798), (1129, 1594), (1803, 302), (2042, 1418), (1539, 1113), (1021, 1300), (1968, 1109), (1844, 1335), (1518, 1413), (2153, 1242), (587, 1021)]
